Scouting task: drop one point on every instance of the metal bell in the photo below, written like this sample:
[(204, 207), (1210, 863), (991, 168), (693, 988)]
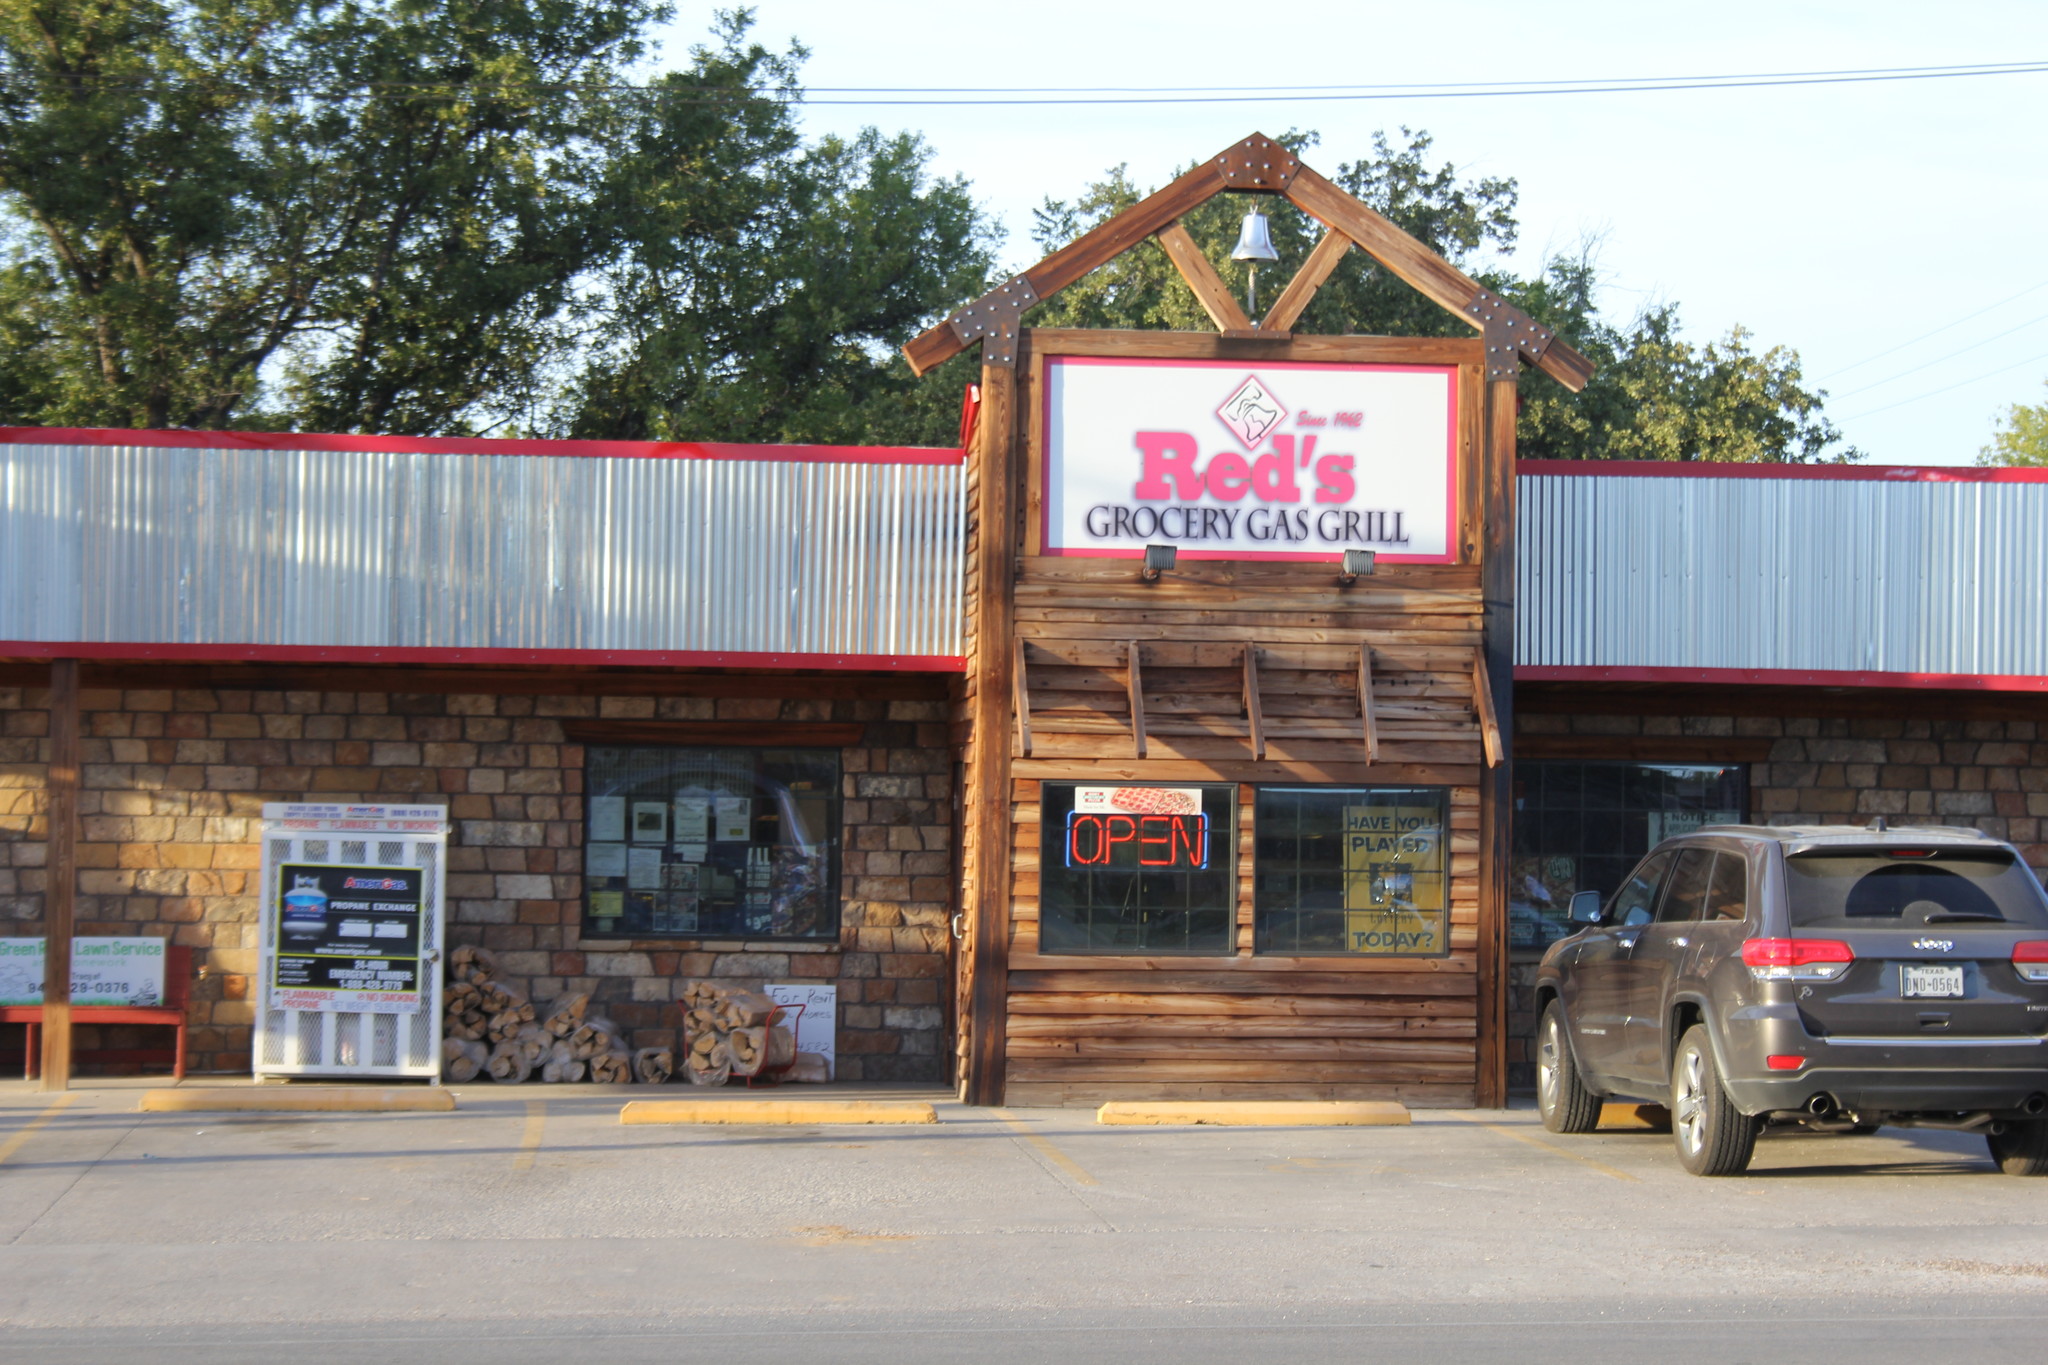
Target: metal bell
[(1253, 241)]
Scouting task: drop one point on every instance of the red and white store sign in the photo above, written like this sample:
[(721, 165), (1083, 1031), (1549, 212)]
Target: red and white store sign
[(1229, 460)]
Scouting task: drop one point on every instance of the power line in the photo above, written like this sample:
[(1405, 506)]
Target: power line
[(1930, 364), (1975, 378), (952, 96), (1946, 326)]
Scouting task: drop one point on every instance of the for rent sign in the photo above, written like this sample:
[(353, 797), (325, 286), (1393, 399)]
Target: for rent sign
[(1237, 461)]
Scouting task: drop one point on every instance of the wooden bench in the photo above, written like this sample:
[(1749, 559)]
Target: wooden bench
[(170, 1014)]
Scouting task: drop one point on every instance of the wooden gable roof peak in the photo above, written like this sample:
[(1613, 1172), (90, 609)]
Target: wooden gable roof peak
[(1256, 165)]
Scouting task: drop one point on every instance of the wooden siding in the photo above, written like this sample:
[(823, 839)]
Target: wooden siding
[(1084, 1028)]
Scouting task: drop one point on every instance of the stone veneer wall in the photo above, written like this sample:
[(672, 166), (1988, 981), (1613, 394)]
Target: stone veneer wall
[(1984, 774), (172, 788)]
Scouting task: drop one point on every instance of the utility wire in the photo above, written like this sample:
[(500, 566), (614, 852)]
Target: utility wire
[(909, 97), (1988, 374), (1946, 326), (1930, 364)]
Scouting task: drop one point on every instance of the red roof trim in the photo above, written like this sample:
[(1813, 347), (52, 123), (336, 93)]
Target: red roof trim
[(1704, 469), (359, 654), (445, 445), (1789, 677)]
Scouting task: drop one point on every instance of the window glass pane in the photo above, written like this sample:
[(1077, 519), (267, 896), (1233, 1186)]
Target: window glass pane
[(1137, 869), (1633, 903), (1353, 870), (688, 843), (1687, 893), (1581, 826), (1957, 892), (1728, 895)]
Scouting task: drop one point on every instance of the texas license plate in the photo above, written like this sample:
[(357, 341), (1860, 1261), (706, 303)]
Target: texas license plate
[(1930, 981)]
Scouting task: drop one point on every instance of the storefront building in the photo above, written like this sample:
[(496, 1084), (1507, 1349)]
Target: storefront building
[(1060, 817)]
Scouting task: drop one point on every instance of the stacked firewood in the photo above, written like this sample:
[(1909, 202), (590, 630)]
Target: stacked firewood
[(727, 1033), (490, 1029)]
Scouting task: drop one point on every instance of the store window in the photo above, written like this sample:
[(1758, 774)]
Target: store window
[(1357, 871), (1582, 826), (713, 843), (1129, 869)]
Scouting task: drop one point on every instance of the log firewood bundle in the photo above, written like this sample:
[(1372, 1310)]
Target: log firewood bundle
[(654, 1065), (562, 1064), (731, 1023), (461, 1060), (611, 1068), (509, 1062), (707, 1062), (565, 1015), (756, 1048), (468, 964), (593, 1036)]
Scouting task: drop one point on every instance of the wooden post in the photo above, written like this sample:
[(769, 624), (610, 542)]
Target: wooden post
[(60, 873), (995, 569), (1496, 783)]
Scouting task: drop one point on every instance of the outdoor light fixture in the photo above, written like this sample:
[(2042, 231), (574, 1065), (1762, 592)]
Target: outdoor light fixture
[(1254, 244), (1356, 562), (1158, 559)]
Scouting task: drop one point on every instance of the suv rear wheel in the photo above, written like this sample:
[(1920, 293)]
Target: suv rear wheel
[(1562, 1098), (2022, 1149), (1713, 1136)]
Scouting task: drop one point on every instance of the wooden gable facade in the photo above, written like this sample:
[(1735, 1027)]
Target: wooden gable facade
[(1241, 675)]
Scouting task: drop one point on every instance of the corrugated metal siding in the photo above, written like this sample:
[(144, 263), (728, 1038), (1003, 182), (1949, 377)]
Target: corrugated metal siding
[(1793, 574), (369, 549)]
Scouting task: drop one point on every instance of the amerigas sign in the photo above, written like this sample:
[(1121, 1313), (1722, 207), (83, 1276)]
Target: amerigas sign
[(1234, 461)]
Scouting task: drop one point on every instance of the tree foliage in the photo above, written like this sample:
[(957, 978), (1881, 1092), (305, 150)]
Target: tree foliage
[(429, 216), (2021, 437), (1656, 395)]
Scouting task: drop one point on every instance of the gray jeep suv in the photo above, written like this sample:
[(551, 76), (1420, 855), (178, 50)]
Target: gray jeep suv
[(1832, 976)]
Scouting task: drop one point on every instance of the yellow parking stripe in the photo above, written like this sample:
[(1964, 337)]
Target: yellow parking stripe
[(1044, 1145), (1551, 1147), (529, 1141), (15, 1143)]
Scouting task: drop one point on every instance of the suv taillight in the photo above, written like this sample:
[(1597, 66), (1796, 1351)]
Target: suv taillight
[(2030, 960), (1797, 959)]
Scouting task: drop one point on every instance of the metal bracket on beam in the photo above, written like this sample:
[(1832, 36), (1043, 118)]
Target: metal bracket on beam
[(1508, 332), (996, 320), (1257, 165)]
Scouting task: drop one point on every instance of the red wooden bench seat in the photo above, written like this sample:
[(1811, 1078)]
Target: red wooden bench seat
[(170, 1014)]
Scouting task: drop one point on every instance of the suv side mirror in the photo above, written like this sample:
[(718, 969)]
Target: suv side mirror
[(1585, 907)]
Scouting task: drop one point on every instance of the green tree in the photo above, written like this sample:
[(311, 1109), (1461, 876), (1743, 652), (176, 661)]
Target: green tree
[(346, 215), (1656, 396), (438, 216), (2021, 437)]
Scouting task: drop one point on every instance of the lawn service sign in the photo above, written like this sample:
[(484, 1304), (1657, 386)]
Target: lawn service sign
[(1229, 460)]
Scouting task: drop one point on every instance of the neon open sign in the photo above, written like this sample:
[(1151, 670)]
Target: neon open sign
[(1178, 841)]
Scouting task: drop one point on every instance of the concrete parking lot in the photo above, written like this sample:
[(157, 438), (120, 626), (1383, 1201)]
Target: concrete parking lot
[(530, 1225)]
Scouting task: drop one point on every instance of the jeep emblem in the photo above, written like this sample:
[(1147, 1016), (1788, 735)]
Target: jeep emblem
[(1934, 945)]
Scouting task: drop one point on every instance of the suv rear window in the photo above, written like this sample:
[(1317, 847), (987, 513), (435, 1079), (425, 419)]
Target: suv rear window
[(1866, 888)]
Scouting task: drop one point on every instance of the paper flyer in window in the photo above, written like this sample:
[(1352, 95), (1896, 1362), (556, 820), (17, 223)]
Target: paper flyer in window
[(693, 819), (643, 869), (607, 819), (692, 853), (607, 904), (1394, 892), (604, 860), (650, 822), (735, 816)]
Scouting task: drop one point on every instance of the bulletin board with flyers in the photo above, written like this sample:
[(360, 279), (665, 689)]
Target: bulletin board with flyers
[(711, 842)]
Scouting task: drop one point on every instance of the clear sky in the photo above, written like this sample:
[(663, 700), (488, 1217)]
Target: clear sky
[(1841, 220)]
